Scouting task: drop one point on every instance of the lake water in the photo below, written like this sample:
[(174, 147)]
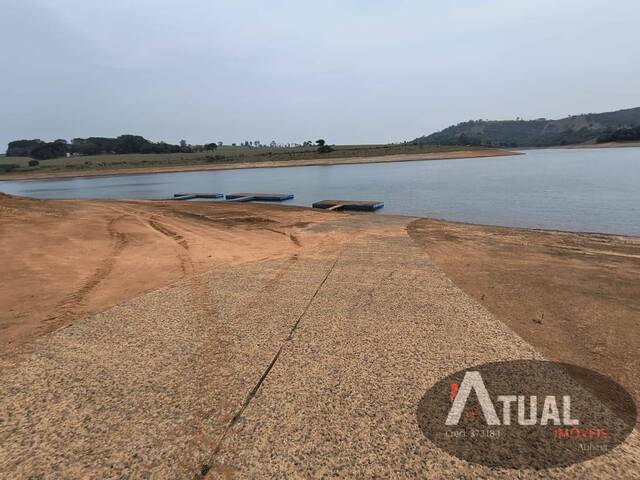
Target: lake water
[(595, 190)]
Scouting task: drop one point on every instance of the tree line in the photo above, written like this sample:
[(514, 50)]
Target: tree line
[(41, 150), (620, 135)]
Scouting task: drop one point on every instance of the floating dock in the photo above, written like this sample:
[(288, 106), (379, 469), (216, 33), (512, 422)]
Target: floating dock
[(258, 197), (352, 205), (189, 196)]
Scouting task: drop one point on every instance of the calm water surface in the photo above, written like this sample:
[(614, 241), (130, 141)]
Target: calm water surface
[(596, 190)]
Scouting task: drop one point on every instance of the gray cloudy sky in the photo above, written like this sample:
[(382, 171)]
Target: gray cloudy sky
[(359, 71)]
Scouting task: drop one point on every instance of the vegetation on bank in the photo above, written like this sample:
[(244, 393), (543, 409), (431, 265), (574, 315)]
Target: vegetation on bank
[(620, 135), (40, 150), (123, 144), (577, 129), (226, 154)]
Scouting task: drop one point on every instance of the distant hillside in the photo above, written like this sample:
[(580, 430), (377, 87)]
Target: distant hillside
[(587, 128)]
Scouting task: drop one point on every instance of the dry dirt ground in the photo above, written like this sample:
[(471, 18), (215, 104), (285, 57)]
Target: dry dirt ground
[(575, 297), (300, 351), (62, 260)]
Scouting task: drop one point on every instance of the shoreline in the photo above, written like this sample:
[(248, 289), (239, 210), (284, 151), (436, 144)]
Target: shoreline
[(524, 229), (393, 158), (605, 145), (583, 146), (396, 158)]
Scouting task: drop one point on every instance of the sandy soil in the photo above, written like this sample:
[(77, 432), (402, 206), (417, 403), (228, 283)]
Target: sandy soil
[(62, 260), (575, 297), (302, 349), (263, 164)]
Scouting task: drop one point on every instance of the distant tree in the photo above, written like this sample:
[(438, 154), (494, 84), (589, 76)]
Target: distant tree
[(210, 146), (34, 163), (162, 147), (22, 148), (220, 144), (46, 151), (147, 148), (323, 147), (273, 144), (185, 147), (129, 144)]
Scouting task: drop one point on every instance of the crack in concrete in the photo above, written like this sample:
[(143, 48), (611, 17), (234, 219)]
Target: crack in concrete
[(206, 467)]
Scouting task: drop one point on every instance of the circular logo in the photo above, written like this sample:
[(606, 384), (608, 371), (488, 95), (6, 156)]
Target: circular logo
[(526, 414)]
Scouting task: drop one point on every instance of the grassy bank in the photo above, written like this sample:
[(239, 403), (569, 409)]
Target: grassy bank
[(222, 156)]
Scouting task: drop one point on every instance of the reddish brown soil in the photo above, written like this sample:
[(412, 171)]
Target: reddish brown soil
[(576, 297), (64, 259)]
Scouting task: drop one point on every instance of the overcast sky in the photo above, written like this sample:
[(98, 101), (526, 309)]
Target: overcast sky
[(360, 71)]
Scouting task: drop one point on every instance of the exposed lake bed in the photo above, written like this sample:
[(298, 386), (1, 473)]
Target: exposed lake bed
[(382, 287)]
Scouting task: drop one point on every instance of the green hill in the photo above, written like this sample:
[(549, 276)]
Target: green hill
[(586, 128)]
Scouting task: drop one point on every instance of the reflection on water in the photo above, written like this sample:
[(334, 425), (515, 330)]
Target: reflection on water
[(568, 189)]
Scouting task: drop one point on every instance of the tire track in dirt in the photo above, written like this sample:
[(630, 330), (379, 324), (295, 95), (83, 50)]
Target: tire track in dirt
[(156, 225), (294, 238), (198, 287), (214, 349), (187, 266), (159, 224), (71, 305)]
